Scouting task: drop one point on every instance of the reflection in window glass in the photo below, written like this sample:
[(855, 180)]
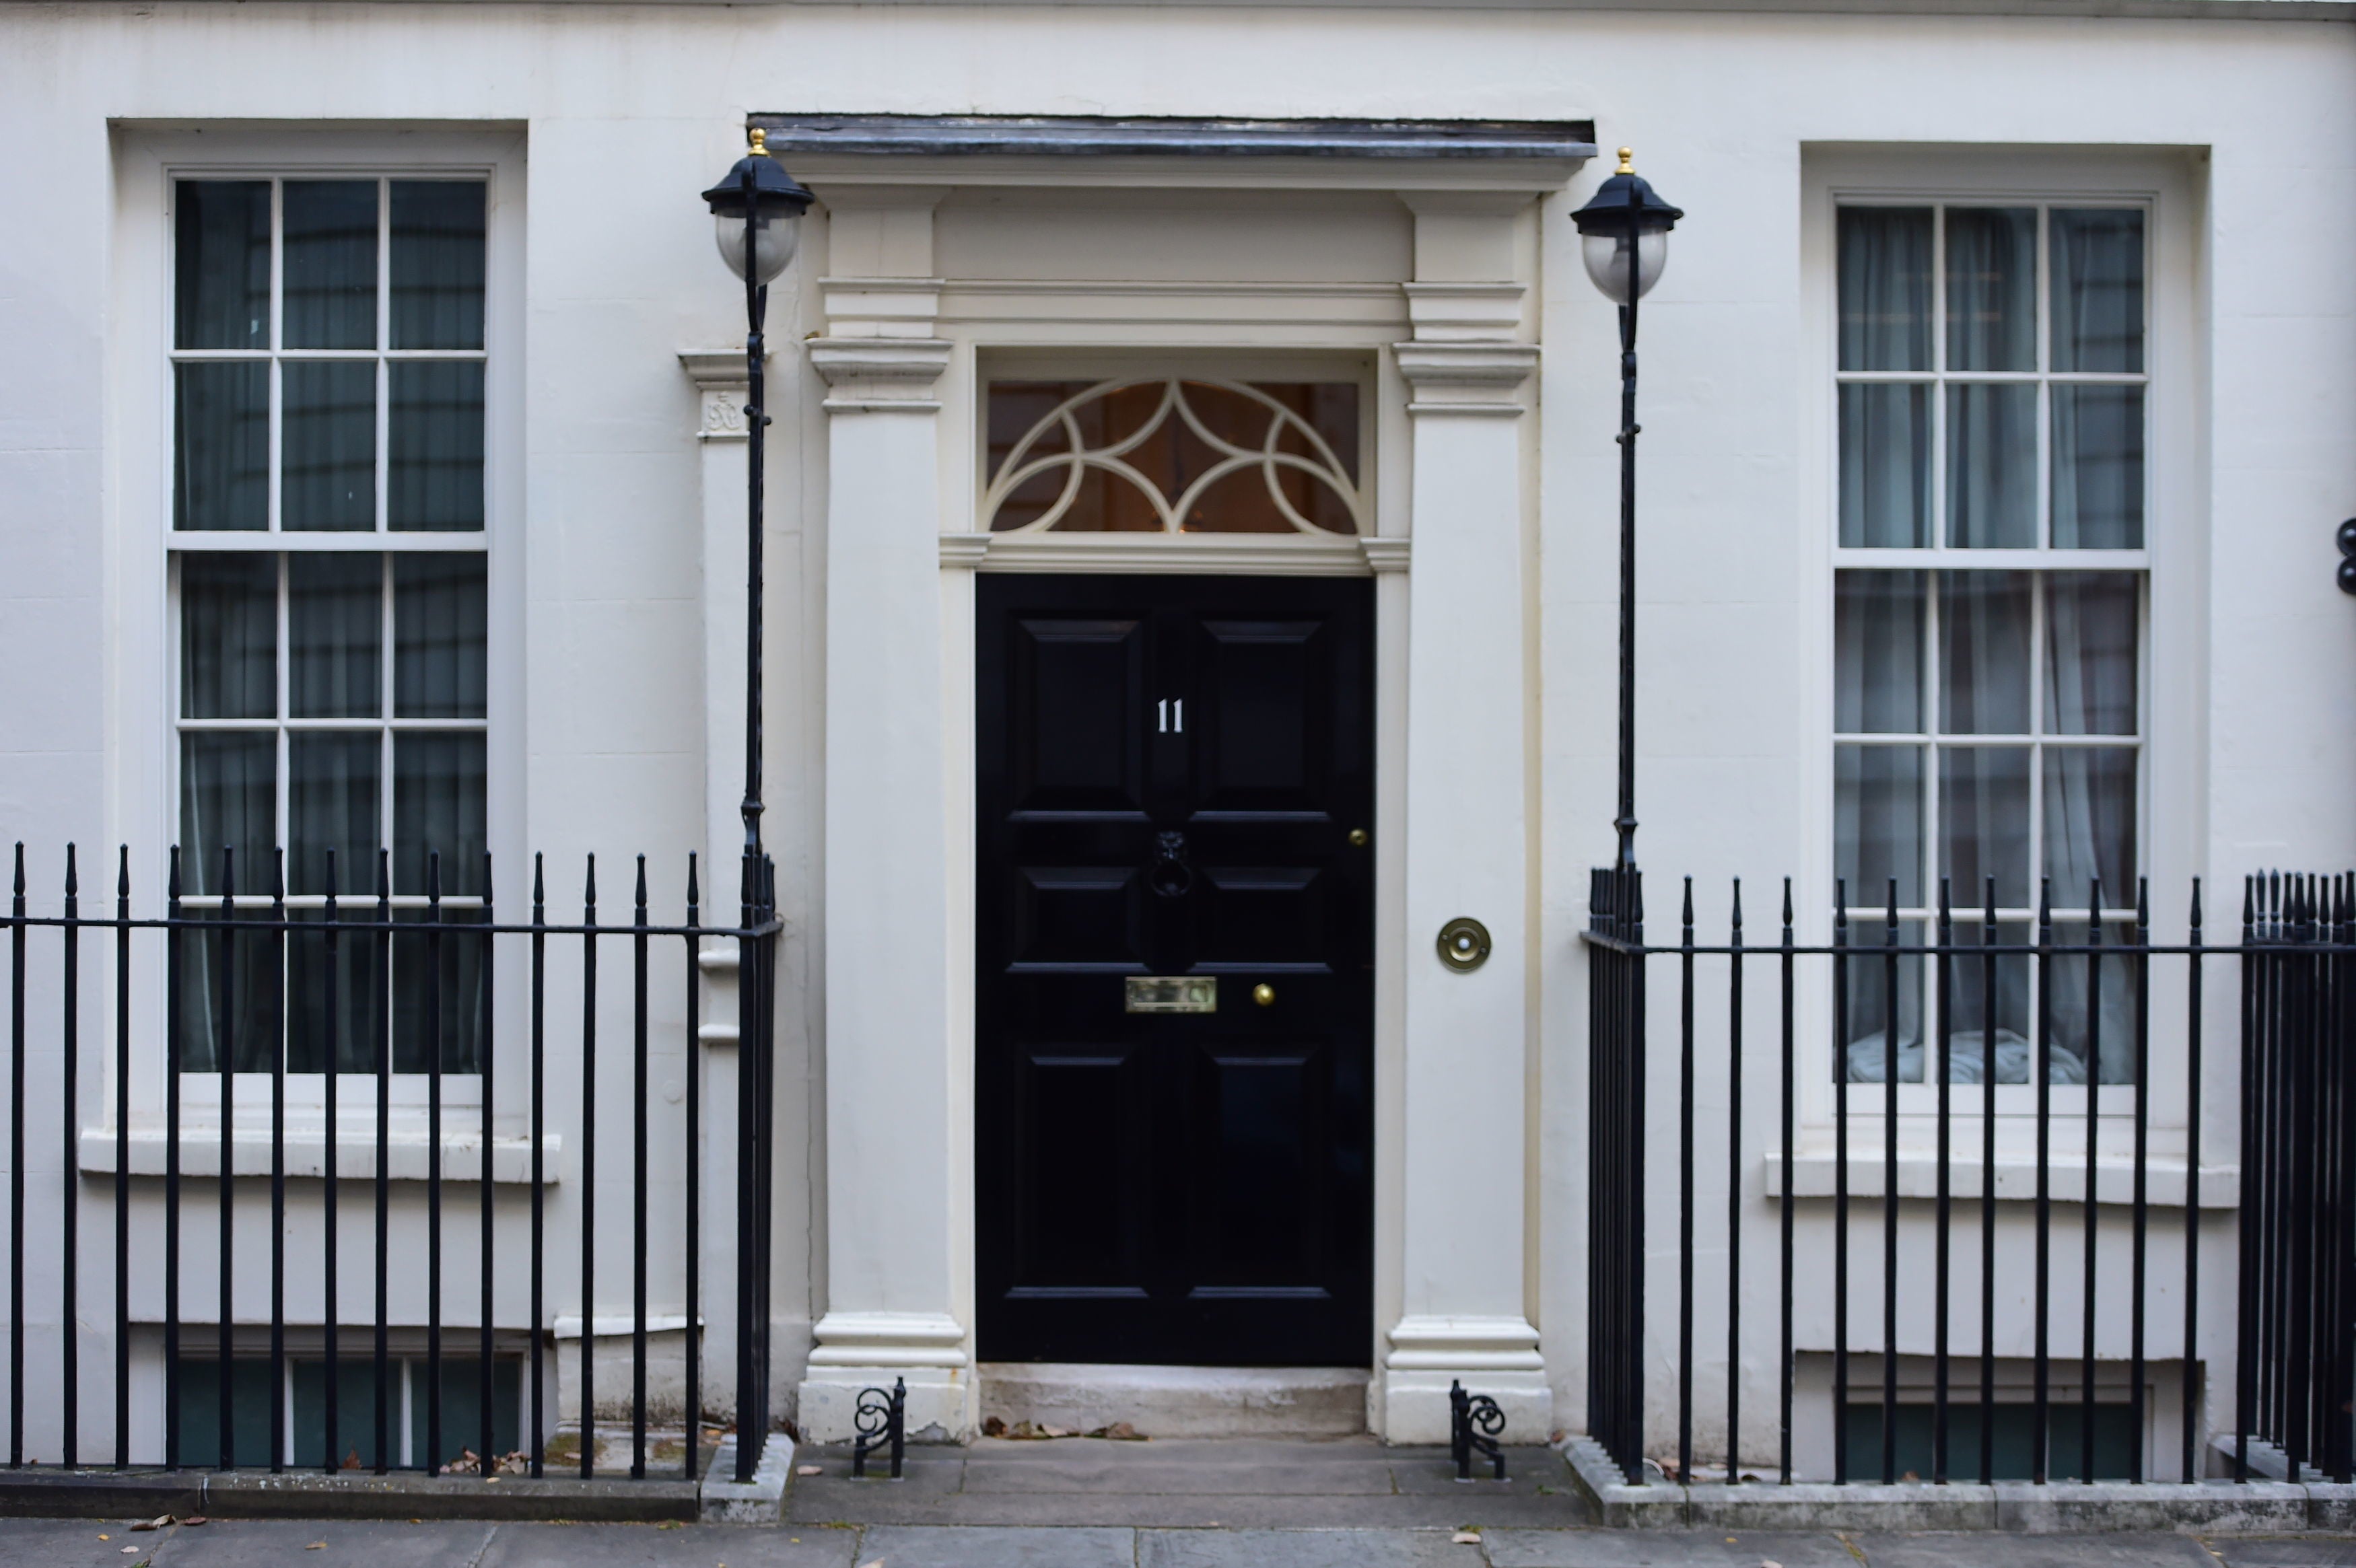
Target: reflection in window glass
[(332, 702), (1174, 455), (2026, 765)]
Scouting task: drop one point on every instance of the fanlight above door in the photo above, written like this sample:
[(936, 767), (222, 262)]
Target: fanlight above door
[(1174, 455)]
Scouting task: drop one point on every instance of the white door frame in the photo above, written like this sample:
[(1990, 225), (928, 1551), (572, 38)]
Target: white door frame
[(901, 353)]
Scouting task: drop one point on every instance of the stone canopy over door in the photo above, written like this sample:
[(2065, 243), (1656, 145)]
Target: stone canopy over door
[(958, 253)]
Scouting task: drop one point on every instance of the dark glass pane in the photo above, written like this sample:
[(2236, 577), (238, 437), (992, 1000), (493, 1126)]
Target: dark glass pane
[(222, 263), (228, 802), (1984, 821), (1983, 644), (435, 484), (335, 622), (230, 974), (438, 808), (220, 445), (2090, 652), (197, 1413), (355, 1419), (1885, 465), (1881, 986), (1992, 466), (437, 989), (357, 1006), (1979, 987), (2093, 996), (2097, 288), (1991, 288), (439, 636), (327, 445), (437, 263), (228, 635), (2090, 823), (1877, 618), (1885, 288), (331, 263), (228, 841), (1878, 822), (2098, 451), (462, 1406), (332, 797)]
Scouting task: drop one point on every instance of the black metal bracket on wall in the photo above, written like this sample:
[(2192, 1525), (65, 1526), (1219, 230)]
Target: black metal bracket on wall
[(1473, 1422), (881, 1418), (2348, 555)]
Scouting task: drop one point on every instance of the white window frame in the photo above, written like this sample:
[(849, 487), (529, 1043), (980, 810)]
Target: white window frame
[(2173, 677), (142, 737)]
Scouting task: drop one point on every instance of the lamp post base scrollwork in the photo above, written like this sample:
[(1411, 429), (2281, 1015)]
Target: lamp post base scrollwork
[(880, 1419), (1473, 1422)]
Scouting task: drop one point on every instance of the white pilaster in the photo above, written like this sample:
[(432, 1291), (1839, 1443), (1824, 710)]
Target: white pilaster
[(1469, 848), (898, 1142)]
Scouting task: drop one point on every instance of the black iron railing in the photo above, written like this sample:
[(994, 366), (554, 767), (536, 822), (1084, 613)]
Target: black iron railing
[(387, 1000), (1949, 1028)]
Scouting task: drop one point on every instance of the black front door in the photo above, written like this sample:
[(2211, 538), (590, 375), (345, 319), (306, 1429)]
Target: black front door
[(1176, 780)]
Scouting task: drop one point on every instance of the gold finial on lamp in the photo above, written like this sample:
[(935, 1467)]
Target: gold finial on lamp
[(1627, 158), (761, 144)]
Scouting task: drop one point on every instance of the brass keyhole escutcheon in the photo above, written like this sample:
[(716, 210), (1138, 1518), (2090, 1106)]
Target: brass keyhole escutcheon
[(1264, 994), (1463, 945), (1357, 837)]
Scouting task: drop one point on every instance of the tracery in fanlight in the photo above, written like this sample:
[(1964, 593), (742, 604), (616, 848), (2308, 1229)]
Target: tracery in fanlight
[(1174, 455)]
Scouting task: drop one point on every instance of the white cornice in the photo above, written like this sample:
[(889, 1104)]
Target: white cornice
[(879, 374), (1465, 377)]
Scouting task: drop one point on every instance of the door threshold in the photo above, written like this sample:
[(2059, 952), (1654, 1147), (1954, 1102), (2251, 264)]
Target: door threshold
[(1174, 1402)]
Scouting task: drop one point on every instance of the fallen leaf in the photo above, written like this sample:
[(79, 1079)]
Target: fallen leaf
[(352, 1460), (192, 1519), (316, 1546), (1465, 1538), (877, 1564), (129, 1550), (994, 1427), (809, 1470), (106, 1538), (1769, 1562), (158, 1522)]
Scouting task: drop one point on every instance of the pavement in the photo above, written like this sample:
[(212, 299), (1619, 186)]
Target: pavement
[(1079, 1503), (300, 1543)]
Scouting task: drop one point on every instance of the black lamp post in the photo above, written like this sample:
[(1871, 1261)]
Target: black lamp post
[(1624, 242), (756, 213)]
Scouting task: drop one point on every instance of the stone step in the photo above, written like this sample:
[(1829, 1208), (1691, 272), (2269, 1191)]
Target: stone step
[(1177, 1402)]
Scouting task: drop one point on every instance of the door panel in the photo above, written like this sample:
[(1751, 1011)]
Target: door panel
[(1170, 769), (1078, 686)]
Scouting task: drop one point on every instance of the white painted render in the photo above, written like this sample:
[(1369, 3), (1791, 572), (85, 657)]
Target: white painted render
[(1495, 502)]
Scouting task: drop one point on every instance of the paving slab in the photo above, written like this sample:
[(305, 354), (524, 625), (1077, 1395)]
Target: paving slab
[(663, 1546), (1665, 1548), (1966, 1549), (74, 1543), (1536, 1470), (348, 1543), (1304, 1549), (2283, 1552), (918, 1546)]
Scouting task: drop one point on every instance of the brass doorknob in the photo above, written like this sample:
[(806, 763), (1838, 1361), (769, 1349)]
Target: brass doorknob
[(1264, 994), (1357, 837)]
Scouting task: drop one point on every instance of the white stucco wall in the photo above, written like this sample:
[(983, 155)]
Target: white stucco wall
[(628, 112)]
